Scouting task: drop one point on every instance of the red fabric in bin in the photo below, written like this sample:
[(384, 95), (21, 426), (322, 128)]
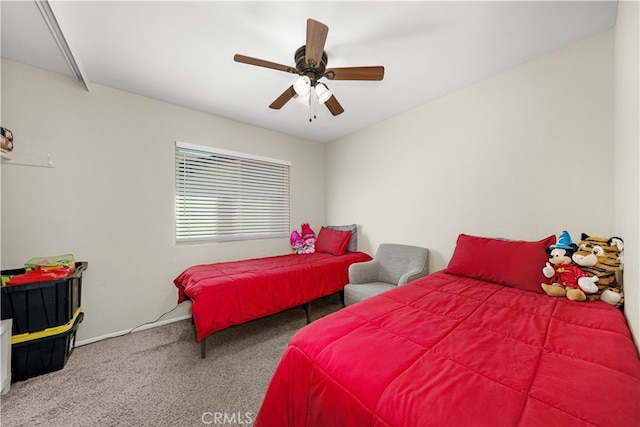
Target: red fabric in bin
[(447, 350), (41, 275), (231, 293)]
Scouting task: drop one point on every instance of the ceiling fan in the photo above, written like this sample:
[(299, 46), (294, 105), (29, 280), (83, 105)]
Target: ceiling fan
[(311, 63)]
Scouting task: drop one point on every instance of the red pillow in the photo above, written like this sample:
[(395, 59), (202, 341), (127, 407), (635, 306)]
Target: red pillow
[(512, 263), (332, 241)]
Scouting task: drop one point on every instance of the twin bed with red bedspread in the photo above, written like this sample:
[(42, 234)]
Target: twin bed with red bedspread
[(477, 344), (230, 293)]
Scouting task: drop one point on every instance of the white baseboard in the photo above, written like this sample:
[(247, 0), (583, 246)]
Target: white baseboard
[(137, 329)]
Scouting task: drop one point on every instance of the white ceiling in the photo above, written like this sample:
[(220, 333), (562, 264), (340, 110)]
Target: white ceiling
[(182, 52)]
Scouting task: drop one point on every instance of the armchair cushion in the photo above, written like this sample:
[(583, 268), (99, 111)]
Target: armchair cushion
[(365, 290)]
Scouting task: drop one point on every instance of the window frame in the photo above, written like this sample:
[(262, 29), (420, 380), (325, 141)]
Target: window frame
[(234, 196)]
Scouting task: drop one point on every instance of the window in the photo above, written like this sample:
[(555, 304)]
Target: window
[(224, 195)]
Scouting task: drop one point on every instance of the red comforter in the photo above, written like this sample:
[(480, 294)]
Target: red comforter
[(231, 293), (452, 351)]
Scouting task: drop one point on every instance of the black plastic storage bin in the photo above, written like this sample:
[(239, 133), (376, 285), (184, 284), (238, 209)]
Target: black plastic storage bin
[(43, 352), (41, 305)]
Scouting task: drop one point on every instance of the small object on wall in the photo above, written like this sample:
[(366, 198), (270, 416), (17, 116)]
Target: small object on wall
[(6, 140)]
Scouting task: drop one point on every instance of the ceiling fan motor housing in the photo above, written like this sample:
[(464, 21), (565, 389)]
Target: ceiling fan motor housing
[(313, 71)]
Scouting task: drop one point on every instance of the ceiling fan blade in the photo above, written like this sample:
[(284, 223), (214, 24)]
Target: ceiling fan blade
[(283, 99), (355, 73), (334, 106), (262, 63), (316, 37)]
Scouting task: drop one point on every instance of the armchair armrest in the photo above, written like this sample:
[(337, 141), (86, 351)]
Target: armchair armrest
[(410, 276), (364, 272)]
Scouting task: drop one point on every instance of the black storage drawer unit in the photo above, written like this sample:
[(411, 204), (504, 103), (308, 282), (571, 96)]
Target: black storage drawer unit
[(41, 305), (45, 351)]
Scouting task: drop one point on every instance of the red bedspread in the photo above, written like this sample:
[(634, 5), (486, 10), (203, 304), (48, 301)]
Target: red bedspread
[(451, 351), (231, 293)]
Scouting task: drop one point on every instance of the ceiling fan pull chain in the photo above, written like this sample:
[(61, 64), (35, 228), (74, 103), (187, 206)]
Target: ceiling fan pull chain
[(311, 107)]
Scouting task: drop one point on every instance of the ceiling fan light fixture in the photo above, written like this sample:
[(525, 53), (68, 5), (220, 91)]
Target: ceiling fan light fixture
[(323, 93), (303, 99), (302, 85)]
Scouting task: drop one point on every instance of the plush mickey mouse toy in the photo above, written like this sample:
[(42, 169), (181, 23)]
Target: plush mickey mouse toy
[(566, 278)]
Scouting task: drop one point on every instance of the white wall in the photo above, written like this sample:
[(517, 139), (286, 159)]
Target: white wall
[(627, 137), (110, 197), (521, 155)]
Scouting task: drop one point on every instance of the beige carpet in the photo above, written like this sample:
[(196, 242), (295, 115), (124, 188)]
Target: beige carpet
[(156, 377)]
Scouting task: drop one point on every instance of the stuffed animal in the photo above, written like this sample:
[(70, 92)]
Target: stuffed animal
[(297, 243), (309, 237), (566, 278), (602, 257)]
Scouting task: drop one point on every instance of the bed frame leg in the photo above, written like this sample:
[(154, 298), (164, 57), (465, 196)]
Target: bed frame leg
[(307, 311), (203, 348), (342, 297)]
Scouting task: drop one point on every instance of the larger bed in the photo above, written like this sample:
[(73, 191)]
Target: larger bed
[(471, 345)]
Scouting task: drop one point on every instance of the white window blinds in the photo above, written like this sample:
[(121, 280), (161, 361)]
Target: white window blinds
[(224, 195)]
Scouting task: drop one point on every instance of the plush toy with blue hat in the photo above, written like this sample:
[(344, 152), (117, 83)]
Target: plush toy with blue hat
[(565, 277)]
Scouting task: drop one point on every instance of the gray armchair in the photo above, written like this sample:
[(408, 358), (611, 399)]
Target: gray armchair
[(393, 265)]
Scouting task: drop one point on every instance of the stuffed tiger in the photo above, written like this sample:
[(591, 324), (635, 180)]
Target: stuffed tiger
[(602, 257)]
